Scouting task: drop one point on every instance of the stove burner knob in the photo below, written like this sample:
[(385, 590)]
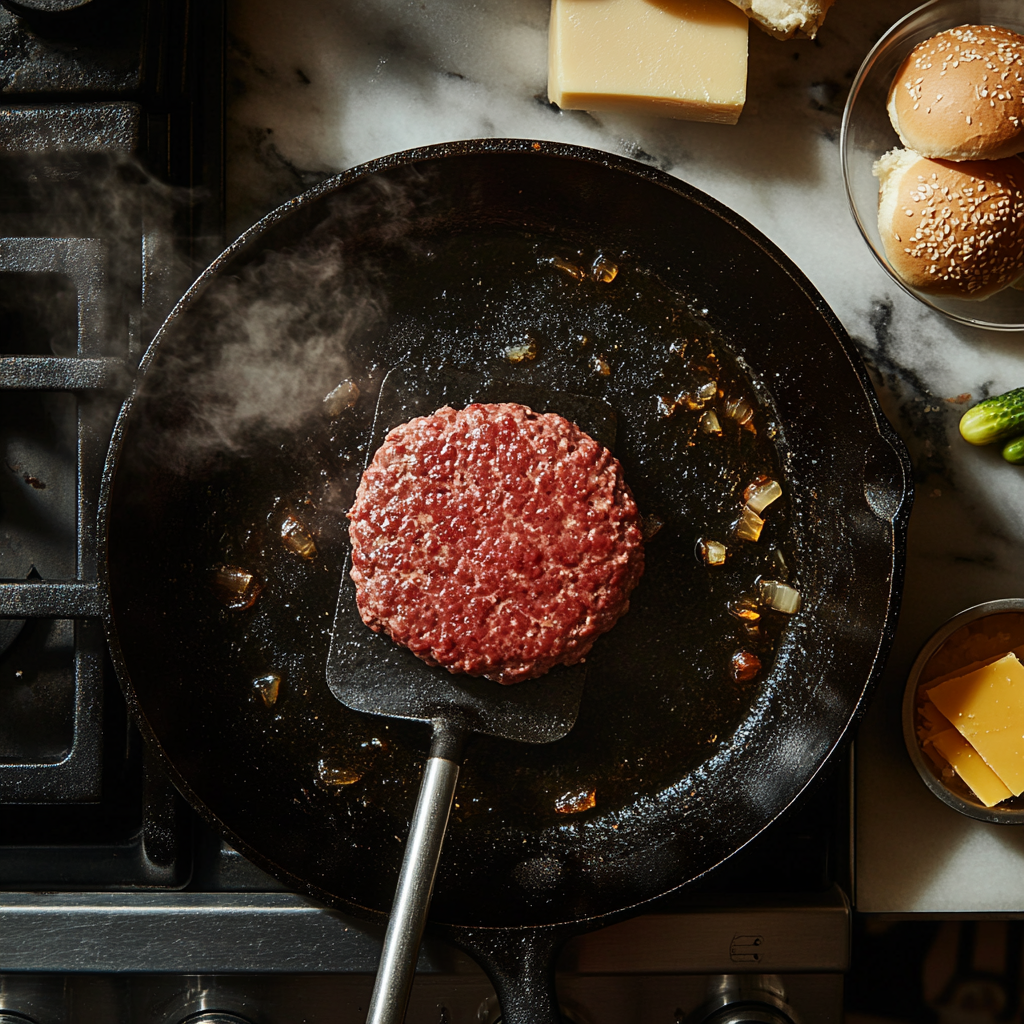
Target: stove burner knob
[(745, 999), (748, 1013), (211, 1017)]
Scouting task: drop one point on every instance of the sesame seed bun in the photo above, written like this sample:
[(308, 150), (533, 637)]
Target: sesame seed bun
[(960, 95), (954, 229)]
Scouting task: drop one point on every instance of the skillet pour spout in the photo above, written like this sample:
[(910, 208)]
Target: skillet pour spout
[(469, 256)]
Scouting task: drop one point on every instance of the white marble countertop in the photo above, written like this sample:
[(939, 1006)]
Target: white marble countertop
[(321, 85)]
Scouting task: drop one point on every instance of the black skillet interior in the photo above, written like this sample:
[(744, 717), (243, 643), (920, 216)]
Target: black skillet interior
[(467, 256), (369, 672)]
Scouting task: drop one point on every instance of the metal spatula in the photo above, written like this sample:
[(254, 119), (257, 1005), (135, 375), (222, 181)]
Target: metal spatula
[(367, 672)]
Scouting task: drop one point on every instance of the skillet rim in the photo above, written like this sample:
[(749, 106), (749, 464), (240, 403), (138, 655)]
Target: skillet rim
[(899, 518)]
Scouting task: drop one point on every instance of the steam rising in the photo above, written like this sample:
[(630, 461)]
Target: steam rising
[(258, 350), (265, 348), (109, 206), (280, 325)]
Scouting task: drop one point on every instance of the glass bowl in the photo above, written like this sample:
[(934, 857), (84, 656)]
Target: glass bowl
[(980, 632), (866, 135)]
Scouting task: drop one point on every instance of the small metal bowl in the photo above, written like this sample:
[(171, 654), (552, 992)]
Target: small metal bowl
[(866, 134), (953, 791)]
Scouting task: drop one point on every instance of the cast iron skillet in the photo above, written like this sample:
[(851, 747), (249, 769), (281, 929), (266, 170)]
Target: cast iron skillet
[(470, 256)]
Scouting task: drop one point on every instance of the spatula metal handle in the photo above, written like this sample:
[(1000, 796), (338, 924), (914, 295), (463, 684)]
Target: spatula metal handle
[(416, 880)]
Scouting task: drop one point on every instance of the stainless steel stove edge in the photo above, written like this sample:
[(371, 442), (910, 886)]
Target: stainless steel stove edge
[(274, 933)]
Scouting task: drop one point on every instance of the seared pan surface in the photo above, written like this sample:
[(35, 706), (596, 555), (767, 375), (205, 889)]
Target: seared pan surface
[(449, 262)]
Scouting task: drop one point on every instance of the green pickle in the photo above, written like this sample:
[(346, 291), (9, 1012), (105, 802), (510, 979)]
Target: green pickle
[(995, 419), (1014, 451)]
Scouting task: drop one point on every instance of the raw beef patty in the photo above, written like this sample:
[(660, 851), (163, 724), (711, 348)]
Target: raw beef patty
[(495, 541)]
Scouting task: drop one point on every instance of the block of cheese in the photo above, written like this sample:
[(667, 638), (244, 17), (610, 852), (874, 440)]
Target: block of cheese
[(671, 58), (986, 707), (967, 763)]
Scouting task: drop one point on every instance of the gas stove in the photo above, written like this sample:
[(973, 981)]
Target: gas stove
[(116, 902)]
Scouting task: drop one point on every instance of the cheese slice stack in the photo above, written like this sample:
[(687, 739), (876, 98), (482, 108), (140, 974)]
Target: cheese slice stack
[(986, 708), (672, 58), (967, 763)]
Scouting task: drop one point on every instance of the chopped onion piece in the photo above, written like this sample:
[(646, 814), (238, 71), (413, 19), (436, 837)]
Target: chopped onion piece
[(749, 525), (745, 666), (575, 801), (707, 391), (524, 352), (745, 608), (760, 494), (709, 423), (740, 410), (568, 267), (603, 270), (234, 586), (351, 766), (712, 552), (343, 397), (337, 773), (268, 687), (297, 538), (780, 596)]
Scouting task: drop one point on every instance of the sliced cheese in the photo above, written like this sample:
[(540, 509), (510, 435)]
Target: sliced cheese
[(964, 669), (929, 724), (986, 707), (984, 782), (932, 720), (673, 58)]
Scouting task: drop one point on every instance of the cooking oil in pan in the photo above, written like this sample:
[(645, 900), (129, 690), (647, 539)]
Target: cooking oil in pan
[(666, 689)]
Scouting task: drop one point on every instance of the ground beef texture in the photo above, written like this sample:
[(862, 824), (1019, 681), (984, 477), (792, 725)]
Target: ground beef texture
[(494, 541)]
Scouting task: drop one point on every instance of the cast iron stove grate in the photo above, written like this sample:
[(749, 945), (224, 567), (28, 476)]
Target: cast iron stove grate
[(102, 146)]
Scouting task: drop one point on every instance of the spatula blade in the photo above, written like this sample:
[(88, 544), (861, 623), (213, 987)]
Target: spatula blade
[(367, 672)]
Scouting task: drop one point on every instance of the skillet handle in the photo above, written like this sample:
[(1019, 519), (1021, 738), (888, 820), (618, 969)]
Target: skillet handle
[(520, 963), (416, 879)]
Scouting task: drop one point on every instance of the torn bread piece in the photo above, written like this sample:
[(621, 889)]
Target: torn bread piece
[(786, 18)]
